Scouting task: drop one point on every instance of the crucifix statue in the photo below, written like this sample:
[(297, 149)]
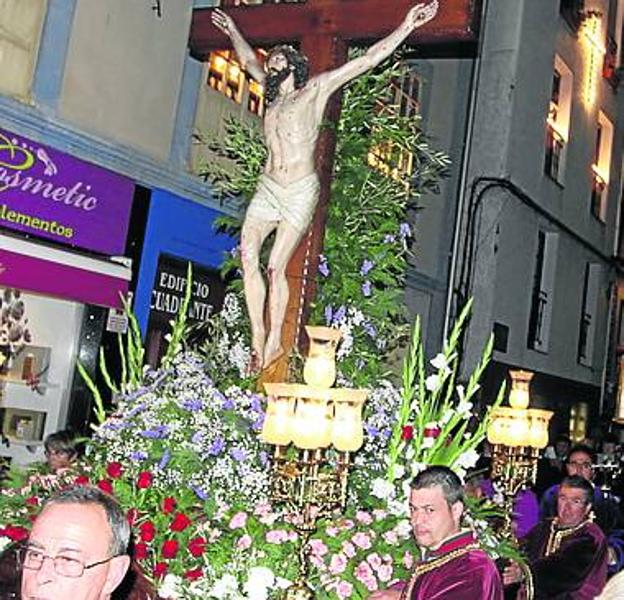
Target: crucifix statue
[(295, 176)]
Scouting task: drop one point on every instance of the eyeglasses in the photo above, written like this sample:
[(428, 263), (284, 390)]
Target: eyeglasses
[(580, 464), (65, 566)]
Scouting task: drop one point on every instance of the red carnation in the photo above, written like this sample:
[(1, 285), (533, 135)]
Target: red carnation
[(105, 485), (180, 522), (193, 574), (144, 480), (81, 480), (147, 531), (407, 433), (114, 470), (32, 501), (131, 516), (170, 549), (169, 505), (160, 569), (140, 551), (197, 546), (16, 533)]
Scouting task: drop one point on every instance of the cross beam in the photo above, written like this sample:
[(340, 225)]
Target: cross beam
[(354, 21)]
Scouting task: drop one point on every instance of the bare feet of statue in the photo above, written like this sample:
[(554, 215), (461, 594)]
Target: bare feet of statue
[(255, 364)]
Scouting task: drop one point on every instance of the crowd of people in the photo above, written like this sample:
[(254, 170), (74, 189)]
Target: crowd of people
[(570, 532)]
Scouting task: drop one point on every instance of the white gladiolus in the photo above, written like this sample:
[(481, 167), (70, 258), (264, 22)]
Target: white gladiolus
[(171, 587)]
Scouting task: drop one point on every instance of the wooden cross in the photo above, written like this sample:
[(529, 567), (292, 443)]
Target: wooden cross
[(323, 30)]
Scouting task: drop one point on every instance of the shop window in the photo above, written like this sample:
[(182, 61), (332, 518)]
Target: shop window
[(600, 167), (613, 47), (542, 298), (21, 22), (587, 325), (558, 121)]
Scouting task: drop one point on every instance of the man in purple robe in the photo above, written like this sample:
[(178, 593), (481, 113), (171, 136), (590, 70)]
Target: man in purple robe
[(567, 555), (453, 566)]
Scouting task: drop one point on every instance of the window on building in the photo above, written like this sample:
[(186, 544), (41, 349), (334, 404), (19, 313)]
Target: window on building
[(404, 99), (20, 33), (572, 12), (613, 47), (587, 325), (542, 297), (558, 121), (601, 167)]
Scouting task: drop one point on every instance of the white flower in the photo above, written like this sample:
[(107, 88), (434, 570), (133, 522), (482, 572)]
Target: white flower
[(4, 542), (382, 489), (403, 528), (417, 467), (432, 383), (441, 364), (467, 459), (399, 471), (464, 407), (398, 508), (224, 587), (260, 580), (171, 586)]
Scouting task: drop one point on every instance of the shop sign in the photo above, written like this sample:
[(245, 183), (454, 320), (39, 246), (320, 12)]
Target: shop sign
[(53, 195), (207, 292)]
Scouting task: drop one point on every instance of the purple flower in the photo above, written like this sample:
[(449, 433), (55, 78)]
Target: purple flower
[(389, 239), (138, 455), (238, 454), (405, 231), (366, 267), (164, 460), (156, 433), (201, 494), (197, 438), (228, 404), (264, 458), (217, 447), (329, 311), (137, 409), (367, 288), (193, 405), (340, 314), (370, 430), (116, 425), (256, 404), (258, 423), (135, 394), (369, 328), (323, 267)]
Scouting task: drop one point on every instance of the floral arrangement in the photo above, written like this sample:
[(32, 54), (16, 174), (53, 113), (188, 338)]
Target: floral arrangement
[(14, 332)]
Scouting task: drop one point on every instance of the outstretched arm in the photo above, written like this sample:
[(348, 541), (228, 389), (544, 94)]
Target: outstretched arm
[(244, 51), (416, 17)]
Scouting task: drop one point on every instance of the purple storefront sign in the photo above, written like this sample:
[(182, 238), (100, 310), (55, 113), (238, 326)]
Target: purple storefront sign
[(50, 194), (34, 274)]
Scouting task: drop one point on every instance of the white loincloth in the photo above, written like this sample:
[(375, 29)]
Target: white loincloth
[(294, 203)]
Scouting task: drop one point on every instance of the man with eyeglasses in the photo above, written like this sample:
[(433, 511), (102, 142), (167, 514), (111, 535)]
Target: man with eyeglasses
[(567, 555), (606, 507), (77, 549)]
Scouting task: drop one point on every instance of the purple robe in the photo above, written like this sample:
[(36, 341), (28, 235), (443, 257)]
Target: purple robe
[(575, 565), (457, 570)]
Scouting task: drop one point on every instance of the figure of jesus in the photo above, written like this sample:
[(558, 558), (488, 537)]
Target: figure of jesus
[(288, 188)]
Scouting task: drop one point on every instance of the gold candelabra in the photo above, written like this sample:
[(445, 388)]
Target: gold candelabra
[(517, 434), (314, 428)]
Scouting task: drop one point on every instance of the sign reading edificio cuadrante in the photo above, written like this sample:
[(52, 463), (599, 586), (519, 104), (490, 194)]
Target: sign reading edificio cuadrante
[(50, 194)]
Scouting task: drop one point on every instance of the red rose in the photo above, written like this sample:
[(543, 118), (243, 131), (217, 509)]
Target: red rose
[(169, 505), (105, 485), (160, 569), (180, 522), (32, 501), (131, 516), (193, 574), (170, 549), (81, 480), (197, 546), (114, 470), (407, 433), (140, 551), (147, 531), (16, 533), (144, 480)]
